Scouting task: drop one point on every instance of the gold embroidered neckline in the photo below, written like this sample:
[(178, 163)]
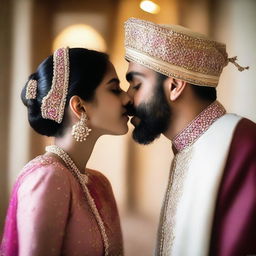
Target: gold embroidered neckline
[(198, 126)]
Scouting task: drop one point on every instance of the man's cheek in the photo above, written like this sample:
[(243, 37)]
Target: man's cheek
[(139, 98)]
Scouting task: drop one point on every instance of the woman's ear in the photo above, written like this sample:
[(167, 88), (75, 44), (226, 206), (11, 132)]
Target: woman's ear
[(175, 88), (76, 105)]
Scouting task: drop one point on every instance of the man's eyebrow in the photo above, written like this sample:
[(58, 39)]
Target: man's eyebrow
[(113, 80), (130, 75)]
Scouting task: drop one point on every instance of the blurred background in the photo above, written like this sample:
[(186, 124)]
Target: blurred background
[(32, 29)]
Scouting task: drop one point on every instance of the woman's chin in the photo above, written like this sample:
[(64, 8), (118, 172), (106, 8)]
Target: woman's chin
[(124, 130)]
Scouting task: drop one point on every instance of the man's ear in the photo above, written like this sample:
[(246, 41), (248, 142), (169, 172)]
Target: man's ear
[(175, 87), (76, 105)]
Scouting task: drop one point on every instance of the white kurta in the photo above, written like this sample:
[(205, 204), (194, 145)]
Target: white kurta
[(187, 212)]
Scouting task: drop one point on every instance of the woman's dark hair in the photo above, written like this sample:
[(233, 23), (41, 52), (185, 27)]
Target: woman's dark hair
[(86, 71), (204, 93)]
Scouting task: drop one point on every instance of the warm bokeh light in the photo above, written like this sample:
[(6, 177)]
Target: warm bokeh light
[(150, 6), (80, 35)]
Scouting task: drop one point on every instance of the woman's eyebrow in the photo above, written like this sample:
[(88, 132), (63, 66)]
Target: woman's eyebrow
[(113, 80)]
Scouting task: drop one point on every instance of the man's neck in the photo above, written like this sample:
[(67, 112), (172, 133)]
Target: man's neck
[(182, 116)]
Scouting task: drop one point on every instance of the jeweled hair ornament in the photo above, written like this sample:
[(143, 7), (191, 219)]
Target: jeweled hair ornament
[(53, 104), (176, 51), (31, 89)]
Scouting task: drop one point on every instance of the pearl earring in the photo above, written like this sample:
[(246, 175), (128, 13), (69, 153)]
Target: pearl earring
[(80, 130)]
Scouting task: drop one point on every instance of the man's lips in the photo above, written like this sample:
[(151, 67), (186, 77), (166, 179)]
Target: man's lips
[(125, 116), (135, 120)]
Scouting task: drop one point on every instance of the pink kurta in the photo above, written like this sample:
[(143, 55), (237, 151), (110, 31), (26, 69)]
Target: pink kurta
[(49, 214)]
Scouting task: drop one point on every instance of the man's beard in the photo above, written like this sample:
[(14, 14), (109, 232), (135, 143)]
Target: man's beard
[(154, 117)]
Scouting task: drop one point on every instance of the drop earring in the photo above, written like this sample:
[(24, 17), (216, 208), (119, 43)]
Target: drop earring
[(80, 130)]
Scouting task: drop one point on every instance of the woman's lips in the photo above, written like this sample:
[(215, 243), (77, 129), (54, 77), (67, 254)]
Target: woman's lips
[(126, 118)]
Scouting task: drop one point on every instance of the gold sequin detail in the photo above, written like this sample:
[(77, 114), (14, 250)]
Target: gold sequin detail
[(198, 126), (166, 229)]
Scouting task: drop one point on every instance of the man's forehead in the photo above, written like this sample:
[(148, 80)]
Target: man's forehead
[(135, 69), (136, 66)]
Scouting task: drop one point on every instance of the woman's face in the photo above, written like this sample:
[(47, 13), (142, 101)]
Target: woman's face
[(107, 110)]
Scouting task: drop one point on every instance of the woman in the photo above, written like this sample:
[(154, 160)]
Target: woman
[(59, 207)]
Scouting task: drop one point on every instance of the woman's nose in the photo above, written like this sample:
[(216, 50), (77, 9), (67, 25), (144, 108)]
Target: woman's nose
[(130, 92), (127, 99)]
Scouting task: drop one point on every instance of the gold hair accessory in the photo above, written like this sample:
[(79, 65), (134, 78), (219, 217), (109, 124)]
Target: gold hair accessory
[(53, 104), (31, 89), (80, 130)]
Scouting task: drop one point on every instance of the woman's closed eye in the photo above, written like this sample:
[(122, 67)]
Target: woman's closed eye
[(116, 90)]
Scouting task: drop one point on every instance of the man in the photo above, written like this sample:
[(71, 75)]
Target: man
[(210, 202)]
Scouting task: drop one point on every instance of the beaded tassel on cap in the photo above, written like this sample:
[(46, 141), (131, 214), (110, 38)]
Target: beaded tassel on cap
[(240, 68), (80, 130)]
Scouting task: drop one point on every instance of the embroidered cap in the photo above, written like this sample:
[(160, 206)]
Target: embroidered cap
[(176, 51)]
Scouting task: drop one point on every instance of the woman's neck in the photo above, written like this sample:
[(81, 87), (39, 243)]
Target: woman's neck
[(79, 152)]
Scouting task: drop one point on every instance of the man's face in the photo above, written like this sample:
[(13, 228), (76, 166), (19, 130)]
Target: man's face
[(150, 106)]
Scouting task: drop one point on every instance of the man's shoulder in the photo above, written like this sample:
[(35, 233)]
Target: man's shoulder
[(243, 145), (245, 132)]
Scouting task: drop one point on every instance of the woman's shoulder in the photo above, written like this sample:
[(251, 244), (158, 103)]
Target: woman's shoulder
[(97, 176), (44, 171), (43, 161)]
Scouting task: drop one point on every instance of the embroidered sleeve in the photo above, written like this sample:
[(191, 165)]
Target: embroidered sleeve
[(43, 206)]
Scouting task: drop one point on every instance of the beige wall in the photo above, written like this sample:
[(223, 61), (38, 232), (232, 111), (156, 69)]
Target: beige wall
[(5, 63), (18, 132), (235, 24)]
